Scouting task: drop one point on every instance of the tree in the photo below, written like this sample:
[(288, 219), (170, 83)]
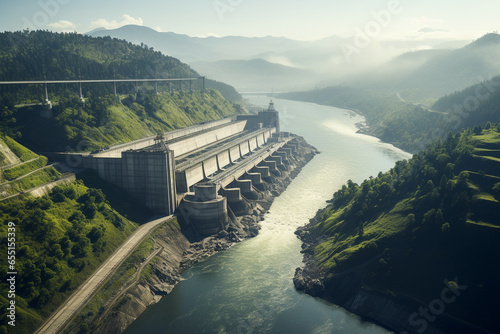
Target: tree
[(57, 194), (81, 248), (89, 209), (98, 195), (95, 233), (443, 182), (445, 228)]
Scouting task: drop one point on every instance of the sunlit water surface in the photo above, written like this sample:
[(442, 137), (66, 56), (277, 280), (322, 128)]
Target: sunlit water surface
[(249, 289)]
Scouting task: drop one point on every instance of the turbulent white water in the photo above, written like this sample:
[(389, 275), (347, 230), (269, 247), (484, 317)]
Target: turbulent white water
[(249, 289)]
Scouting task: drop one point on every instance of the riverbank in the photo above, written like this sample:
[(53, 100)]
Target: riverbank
[(177, 253), (346, 288), (352, 286)]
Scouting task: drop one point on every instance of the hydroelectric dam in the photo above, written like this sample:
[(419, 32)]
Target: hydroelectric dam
[(207, 172)]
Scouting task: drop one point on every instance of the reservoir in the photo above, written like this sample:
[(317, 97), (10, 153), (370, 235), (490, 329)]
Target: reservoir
[(249, 288)]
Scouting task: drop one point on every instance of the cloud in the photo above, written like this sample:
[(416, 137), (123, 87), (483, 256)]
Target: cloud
[(429, 29), (126, 20), (63, 26), (426, 20)]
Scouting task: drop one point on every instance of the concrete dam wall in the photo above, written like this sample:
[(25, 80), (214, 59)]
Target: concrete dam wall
[(179, 167)]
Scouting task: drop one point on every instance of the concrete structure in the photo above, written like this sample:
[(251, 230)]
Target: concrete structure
[(190, 167), (205, 211), (263, 171), (202, 165), (268, 118), (233, 194), (115, 151)]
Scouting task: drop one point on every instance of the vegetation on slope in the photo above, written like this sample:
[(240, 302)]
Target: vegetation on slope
[(429, 219), (61, 239), (23, 169), (447, 72), (22, 153), (101, 121)]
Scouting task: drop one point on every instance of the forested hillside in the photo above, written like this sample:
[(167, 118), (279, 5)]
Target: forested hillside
[(381, 95), (62, 238), (103, 119), (43, 55), (456, 70), (429, 219)]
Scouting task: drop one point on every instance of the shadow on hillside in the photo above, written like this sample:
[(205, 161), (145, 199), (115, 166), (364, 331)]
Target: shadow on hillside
[(125, 204)]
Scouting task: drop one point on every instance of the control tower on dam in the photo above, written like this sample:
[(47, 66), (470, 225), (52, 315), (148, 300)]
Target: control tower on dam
[(201, 170)]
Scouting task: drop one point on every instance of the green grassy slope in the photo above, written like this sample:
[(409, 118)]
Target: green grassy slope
[(23, 169), (102, 121), (430, 219)]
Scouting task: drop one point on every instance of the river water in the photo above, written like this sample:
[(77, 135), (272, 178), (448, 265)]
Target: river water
[(248, 288)]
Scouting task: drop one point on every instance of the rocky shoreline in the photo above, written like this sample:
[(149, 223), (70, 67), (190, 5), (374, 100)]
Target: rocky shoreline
[(346, 289), (177, 253)]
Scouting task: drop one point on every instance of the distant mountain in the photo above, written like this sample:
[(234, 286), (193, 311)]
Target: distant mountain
[(418, 58), (486, 97), (191, 49), (176, 45), (412, 126), (455, 70), (43, 55), (396, 70), (321, 56), (272, 61), (426, 75), (451, 45), (140, 112), (94, 31), (258, 74)]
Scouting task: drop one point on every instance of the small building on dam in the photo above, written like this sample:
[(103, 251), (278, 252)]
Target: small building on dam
[(201, 171)]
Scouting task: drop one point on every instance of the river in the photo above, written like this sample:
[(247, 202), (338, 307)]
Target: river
[(248, 288)]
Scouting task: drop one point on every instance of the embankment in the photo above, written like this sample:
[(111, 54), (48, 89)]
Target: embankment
[(348, 289)]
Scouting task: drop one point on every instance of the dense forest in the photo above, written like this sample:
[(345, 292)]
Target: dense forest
[(408, 126), (43, 55), (431, 218)]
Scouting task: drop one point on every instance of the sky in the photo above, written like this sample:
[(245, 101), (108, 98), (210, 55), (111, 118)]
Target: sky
[(296, 19)]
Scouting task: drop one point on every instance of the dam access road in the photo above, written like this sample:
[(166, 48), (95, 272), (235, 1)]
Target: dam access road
[(68, 310)]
